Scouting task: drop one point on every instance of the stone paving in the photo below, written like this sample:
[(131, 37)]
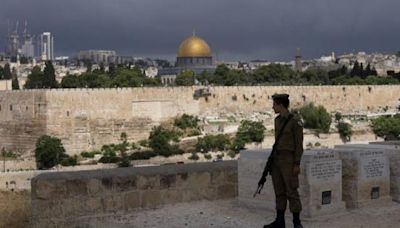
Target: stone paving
[(228, 214)]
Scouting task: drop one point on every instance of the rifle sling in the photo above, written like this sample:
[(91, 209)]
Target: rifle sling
[(280, 135)]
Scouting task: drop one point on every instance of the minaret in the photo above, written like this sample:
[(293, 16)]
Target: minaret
[(298, 66)]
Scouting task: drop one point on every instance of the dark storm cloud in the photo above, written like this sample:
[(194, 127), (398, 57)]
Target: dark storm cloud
[(268, 29)]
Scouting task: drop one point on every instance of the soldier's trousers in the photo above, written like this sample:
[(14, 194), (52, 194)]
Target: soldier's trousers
[(285, 186)]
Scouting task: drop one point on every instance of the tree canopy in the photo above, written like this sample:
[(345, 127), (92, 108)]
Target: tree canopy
[(387, 127)]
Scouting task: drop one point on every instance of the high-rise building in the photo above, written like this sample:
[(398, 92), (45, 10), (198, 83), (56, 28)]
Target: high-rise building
[(27, 48), (46, 46), (13, 42)]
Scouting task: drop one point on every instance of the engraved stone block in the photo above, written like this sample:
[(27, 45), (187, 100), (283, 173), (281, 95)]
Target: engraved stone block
[(366, 176)]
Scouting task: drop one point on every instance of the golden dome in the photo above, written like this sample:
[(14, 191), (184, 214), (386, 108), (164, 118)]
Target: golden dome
[(194, 46)]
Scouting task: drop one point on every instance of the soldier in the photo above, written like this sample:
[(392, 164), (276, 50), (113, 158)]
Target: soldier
[(285, 168)]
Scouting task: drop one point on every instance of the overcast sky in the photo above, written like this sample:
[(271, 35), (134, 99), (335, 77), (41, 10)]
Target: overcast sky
[(245, 29)]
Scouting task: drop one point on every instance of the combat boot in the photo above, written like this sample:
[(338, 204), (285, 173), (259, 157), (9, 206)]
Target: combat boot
[(279, 220), (296, 221)]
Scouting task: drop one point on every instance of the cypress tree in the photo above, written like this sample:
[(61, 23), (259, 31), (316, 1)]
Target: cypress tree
[(7, 72), (49, 80)]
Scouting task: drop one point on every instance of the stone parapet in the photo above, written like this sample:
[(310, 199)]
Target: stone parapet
[(68, 199)]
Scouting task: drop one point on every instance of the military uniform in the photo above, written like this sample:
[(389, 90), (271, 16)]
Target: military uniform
[(289, 150)]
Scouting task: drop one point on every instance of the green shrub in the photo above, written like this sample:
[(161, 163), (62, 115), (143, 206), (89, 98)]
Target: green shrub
[(231, 153), (134, 146), (194, 132), (142, 155), (8, 154), (160, 140), (49, 152), (213, 142), (250, 131), (207, 156), (91, 154), (122, 147), (338, 116), (220, 156), (345, 130), (144, 143), (387, 127), (194, 156), (186, 121), (69, 161), (109, 159), (238, 144), (125, 161), (316, 117), (109, 155)]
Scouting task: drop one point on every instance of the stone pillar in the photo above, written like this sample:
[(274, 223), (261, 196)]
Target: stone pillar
[(366, 177)]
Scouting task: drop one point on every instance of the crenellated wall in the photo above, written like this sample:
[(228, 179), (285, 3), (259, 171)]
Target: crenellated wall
[(86, 119), (79, 199)]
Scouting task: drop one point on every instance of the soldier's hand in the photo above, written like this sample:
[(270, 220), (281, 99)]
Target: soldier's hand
[(296, 170)]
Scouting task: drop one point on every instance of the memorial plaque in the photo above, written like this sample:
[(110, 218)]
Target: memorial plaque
[(325, 171), (326, 197), (373, 165)]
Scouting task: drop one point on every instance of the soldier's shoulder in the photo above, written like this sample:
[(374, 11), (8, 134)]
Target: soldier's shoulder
[(297, 118)]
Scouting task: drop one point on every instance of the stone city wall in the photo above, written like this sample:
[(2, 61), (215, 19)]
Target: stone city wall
[(22, 120), (345, 99), (70, 199), (86, 119), (18, 181), (16, 165)]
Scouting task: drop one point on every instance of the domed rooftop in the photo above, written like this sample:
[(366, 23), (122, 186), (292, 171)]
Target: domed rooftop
[(194, 46)]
